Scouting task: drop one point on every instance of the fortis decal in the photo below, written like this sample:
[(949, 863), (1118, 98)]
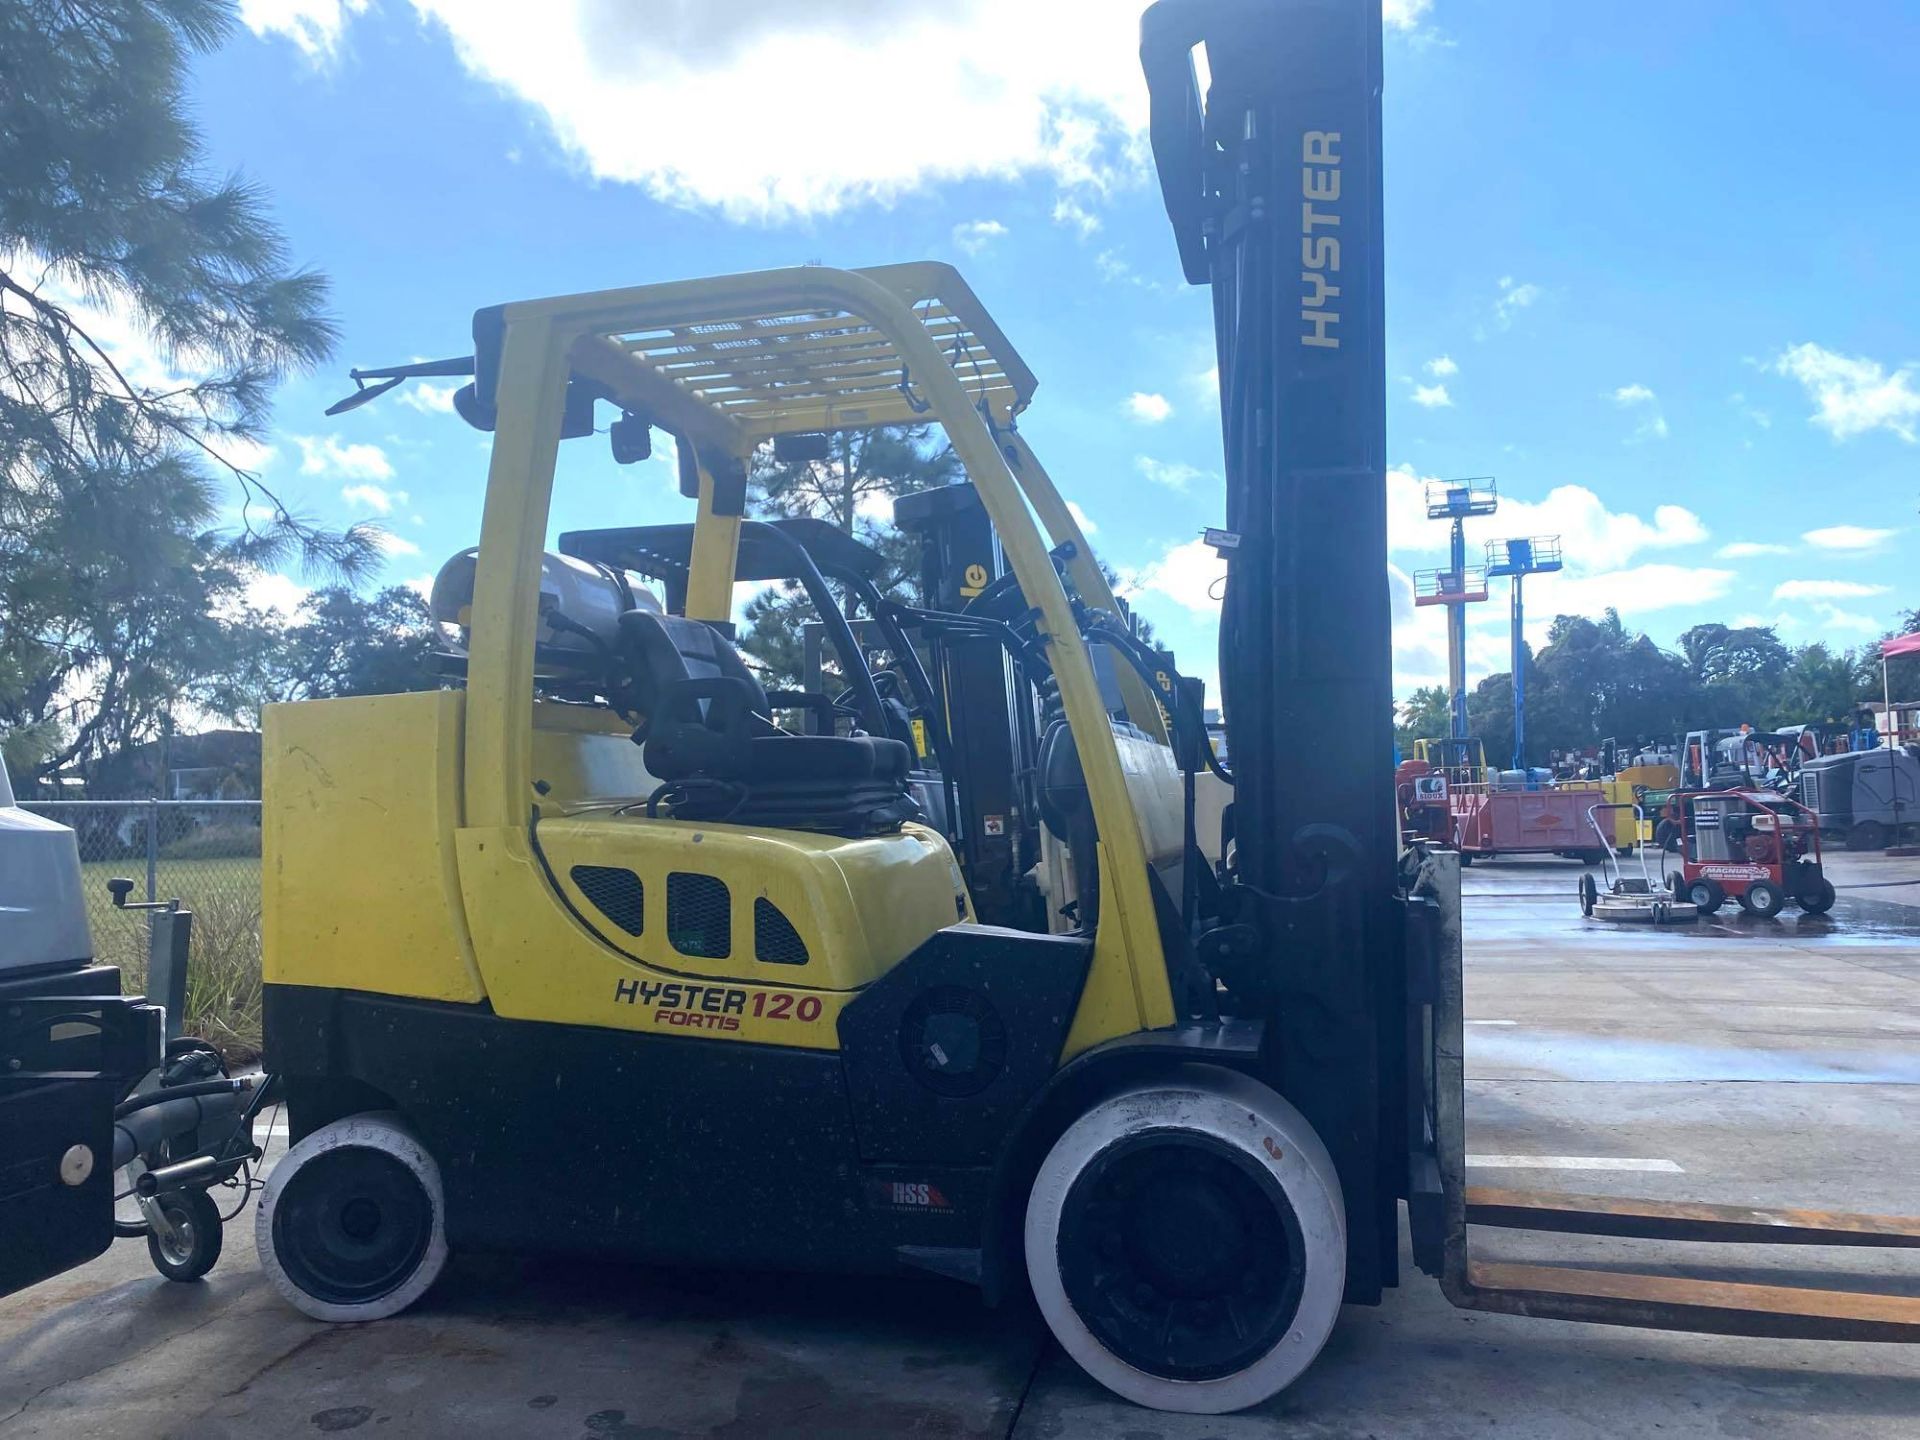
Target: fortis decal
[(1319, 253), (714, 1007)]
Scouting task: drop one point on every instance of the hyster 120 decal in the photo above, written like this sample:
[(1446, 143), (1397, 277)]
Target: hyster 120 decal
[(714, 1007)]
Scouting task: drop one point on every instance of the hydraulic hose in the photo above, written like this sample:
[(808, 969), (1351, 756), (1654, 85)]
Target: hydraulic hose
[(189, 1091)]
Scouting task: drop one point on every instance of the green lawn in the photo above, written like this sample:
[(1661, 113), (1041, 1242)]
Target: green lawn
[(223, 975)]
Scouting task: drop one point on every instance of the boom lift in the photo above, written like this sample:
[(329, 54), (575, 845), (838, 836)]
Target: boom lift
[(716, 997)]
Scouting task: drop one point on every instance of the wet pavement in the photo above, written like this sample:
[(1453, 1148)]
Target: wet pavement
[(1758, 1062)]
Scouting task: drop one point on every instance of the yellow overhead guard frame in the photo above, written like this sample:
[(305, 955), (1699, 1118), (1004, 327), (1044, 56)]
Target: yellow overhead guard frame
[(726, 364)]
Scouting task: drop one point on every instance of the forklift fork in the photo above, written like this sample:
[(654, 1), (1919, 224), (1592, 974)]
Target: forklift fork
[(1607, 1296)]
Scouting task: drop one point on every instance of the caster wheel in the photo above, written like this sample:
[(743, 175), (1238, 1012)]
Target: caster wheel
[(190, 1251), (351, 1225), (1186, 1242)]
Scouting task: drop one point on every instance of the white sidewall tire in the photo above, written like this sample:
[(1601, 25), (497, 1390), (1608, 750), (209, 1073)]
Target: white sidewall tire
[(1243, 1114), (387, 1133)]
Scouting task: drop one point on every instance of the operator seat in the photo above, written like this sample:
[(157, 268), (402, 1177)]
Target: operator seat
[(708, 732)]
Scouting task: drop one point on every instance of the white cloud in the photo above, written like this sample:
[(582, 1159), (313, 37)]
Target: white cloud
[(1405, 14), (1174, 475), (1834, 618), (392, 544), (1855, 395), (1636, 396), (1758, 417), (275, 594), (427, 399), (1433, 397), (1071, 213), (421, 585), (1206, 386), (1514, 297), (963, 89), (1189, 575), (1848, 537), (241, 452), (313, 25), (1632, 591), (1114, 269), (973, 236), (1400, 595), (1748, 549), (1148, 408), (1596, 539), (327, 455), (1082, 519), (373, 497), (1441, 367), (1826, 590)]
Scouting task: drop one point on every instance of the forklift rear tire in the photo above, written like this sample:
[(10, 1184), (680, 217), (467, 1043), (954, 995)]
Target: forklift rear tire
[(1707, 896), (1763, 898), (351, 1225), (1186, 1241)]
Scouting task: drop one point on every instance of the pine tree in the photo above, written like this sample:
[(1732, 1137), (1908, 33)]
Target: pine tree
[(851, 489), (117, 246)]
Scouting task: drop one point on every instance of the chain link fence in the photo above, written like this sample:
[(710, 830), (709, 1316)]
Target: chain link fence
[(204, 853)]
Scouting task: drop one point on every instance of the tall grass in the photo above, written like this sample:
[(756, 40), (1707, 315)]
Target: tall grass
[(223, 965)]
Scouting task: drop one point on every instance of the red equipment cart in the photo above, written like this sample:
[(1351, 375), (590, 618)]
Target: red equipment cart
[(1753, 846)]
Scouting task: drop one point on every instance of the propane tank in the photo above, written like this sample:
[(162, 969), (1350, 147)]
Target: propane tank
[(590, 596)]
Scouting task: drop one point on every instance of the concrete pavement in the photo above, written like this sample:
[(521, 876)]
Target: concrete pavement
[(1743, 1061)]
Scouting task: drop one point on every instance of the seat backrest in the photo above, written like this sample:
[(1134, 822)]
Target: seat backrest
[(661, 649)]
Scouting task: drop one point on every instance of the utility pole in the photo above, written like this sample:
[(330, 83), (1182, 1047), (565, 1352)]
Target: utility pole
[(1457, 586), (1519, 559)]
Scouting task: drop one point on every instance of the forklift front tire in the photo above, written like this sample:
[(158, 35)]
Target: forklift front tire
[(1186, 1242), (352, 1223)]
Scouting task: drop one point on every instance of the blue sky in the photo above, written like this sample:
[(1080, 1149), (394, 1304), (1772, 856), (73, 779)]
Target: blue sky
[(1650, 265)]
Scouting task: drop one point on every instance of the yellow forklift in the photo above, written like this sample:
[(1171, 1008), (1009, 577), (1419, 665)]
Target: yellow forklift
[(585, 953)]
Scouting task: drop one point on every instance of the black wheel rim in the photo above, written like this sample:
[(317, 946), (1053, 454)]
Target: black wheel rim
[(1182, 1255), (352, 1225)]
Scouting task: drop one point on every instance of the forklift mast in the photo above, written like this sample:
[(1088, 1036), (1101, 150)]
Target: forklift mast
[(1271, 178)]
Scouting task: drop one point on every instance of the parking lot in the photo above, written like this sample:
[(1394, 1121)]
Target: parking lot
[(1741, 1061)]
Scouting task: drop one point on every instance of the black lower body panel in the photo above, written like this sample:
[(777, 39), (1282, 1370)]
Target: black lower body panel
[(590, 1140)]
